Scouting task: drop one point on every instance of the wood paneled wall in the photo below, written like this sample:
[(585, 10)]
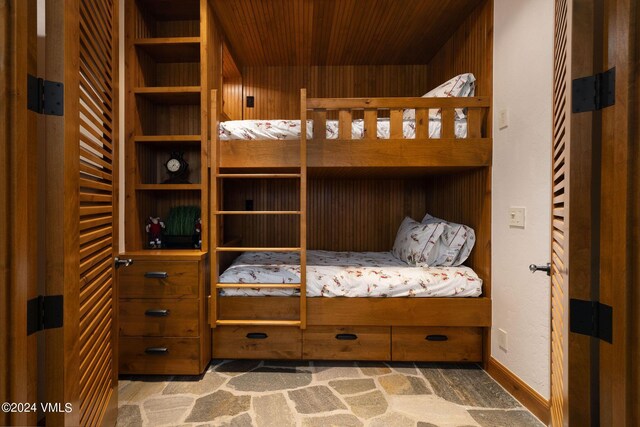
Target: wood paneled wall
[(277, 89), (232, 97), (231, 85), (344, 214), (361, 214), (470, 49), (465, 198)]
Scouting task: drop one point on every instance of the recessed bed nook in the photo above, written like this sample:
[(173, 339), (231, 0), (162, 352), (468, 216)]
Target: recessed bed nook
[(312, 173)]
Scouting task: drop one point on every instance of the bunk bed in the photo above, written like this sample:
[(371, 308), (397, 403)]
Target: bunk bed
[(302, 323), (190, 65)]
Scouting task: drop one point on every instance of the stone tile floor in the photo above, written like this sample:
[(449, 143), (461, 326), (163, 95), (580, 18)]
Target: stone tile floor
[(279, 394)]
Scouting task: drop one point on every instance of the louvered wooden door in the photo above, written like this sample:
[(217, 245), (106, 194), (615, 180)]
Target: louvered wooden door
[(593, 204), (560, 216), (82, 52), (97, 71)]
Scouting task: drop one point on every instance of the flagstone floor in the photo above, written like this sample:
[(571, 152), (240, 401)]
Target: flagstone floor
[(280, 394)]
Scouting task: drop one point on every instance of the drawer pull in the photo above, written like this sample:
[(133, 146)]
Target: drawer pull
[(437, 338), (346, 337), (157, 350), (157, 313), (257, 336), (156, 274)]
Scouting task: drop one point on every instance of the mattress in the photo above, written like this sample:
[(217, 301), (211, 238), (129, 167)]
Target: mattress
[(348, 274), (290, 129)]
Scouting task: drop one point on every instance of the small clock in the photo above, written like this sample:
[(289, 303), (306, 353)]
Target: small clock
[(177, 168)]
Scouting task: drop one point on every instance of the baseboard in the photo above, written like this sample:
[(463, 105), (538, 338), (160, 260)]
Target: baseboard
[(530, 399)]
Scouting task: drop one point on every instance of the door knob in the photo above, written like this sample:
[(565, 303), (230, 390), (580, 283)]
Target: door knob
[(122, 262), (546, 268)]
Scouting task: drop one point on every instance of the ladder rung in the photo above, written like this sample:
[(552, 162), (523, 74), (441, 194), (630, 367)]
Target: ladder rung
[(258, 175), (236, 249), (259, 285), (258, 322), (257, 212)]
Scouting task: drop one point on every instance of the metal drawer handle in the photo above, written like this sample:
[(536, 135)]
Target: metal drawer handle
[(346, 337), (257, 336), (157, 313), (156, 274), (437, 338), (156, 350)]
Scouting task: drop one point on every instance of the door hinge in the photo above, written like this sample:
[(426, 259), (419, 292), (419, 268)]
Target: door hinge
[(44, 312), (594, 92), (591, 318), (44, 96)]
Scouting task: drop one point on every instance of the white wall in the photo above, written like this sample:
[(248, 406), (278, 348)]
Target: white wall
[(522, 73)]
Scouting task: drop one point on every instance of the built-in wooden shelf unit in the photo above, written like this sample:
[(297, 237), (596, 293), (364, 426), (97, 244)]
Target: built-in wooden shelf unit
[(167, 105)]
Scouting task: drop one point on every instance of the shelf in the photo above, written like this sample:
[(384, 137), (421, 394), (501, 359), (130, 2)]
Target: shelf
[(168, 139), (171, 49), (257, 213), (170, 95), (167, 187)]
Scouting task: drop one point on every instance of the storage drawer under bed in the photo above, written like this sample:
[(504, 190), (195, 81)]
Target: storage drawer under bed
[(257, 342), (346, 343), (436, 344)]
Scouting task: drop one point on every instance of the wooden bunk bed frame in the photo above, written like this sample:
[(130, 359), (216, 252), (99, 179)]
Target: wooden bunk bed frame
[(455, 329), (369, 152)]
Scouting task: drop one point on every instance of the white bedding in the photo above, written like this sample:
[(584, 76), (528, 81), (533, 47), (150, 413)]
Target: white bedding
[(290, 129), (348, 274)]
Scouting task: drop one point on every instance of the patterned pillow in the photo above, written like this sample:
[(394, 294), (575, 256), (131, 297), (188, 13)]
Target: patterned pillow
[(462, 85), (455, 243), (415, 242)]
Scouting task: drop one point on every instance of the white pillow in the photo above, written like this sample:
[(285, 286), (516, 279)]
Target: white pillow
[(415, 242), (455, 243), (462, 85)]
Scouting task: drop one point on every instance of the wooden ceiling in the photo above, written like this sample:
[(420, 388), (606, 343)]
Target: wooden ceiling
[(339, 32)]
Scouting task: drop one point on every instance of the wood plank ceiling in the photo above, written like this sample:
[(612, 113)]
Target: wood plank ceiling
[(339, 32)]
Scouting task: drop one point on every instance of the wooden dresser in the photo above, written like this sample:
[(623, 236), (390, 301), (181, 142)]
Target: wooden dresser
[(163, 313)]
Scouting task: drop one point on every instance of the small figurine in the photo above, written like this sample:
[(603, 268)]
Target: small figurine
[(154, 232), (197, 234)]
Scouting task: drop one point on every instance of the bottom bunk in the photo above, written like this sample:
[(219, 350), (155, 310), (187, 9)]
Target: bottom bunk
[(360, 306), (373, 305)]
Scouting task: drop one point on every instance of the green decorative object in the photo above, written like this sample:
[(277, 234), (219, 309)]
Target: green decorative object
[(180, 227)]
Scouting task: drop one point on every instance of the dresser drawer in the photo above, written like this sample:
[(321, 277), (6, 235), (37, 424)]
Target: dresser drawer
[(257, 342), (346, 343), (159, 317), (436, 344), (160, 356), (159, 279)]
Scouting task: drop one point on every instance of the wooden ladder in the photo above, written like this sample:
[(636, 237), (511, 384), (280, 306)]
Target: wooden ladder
[(217, 213)]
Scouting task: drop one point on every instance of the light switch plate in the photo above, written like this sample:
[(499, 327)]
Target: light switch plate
[(516, 217), (503, 118), (502, 339)]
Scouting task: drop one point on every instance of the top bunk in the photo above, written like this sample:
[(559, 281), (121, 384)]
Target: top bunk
[(415, 134)]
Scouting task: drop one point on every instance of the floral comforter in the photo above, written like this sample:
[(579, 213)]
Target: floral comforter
[(348, 274), (290, 129)]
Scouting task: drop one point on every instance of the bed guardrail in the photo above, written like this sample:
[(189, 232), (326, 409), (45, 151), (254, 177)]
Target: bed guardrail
[(476, 110)]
